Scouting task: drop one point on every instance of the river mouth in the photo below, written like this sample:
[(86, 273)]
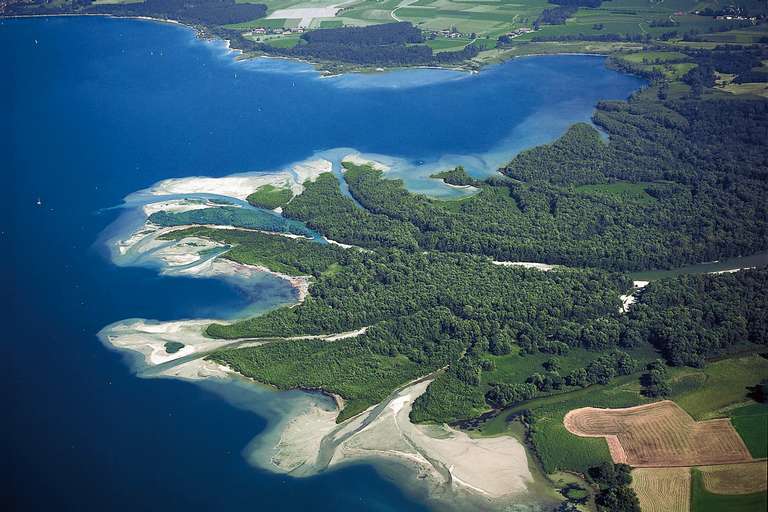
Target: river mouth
[(196, 112)]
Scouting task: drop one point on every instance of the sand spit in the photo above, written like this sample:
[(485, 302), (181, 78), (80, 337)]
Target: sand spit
[(238, 186), (148, 338), (494, 468), (198, 369), (358, 159)]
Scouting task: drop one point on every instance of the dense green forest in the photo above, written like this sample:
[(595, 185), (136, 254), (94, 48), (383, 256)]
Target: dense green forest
[(695, 317), (388, 44), (699, 167), (505, 334), (677, 181)]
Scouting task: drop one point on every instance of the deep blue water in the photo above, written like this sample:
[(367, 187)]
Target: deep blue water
[(94, 109)]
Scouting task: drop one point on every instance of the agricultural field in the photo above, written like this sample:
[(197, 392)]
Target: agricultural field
[(719, 390), (751, 422), (663, 489), (747, 478), (703, 500), (641, 17), (659, 435)]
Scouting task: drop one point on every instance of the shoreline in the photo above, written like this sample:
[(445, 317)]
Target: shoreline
[(441, 463), (204, 32)]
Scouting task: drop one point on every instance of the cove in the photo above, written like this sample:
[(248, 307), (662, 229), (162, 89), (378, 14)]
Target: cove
[(99, 108)]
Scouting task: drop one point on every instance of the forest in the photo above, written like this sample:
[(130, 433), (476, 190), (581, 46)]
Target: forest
[(676, 181), (429, 311), (699, 166), (388, 44)]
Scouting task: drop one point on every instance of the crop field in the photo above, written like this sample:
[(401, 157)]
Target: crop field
[(703, 500), (663, 489), (751, 422), (659, 435), (484, 17), (747, 478)]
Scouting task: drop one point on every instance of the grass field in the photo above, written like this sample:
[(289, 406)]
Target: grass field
[(655, 57), (705, 501), (701, 392), (663, 489), (704, 393), (515, 368), (751, 422), (441, 45), (283, 42)]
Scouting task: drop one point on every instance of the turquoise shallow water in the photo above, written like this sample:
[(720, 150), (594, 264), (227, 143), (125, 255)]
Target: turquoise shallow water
[(96, 109)]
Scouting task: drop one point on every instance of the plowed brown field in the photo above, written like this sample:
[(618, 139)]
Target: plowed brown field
[(659, 435)]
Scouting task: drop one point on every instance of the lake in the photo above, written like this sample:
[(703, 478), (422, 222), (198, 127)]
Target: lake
[(97, 108)]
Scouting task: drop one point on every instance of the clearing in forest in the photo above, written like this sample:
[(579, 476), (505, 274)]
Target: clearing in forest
[(663, 489), (660, 434)]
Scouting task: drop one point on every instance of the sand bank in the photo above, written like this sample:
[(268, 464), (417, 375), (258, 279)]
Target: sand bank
[(148, 338), (358, 159), (442, 456), (238, 186)]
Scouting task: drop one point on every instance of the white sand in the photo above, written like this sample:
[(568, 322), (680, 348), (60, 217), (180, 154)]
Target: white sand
[(240, 186), (177, 206), (198, 369), (149, 338), (493, 467), (544, 267), (308, 171), (358, 159)]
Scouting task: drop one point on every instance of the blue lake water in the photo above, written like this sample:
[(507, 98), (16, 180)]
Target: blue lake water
[(94, 109)]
